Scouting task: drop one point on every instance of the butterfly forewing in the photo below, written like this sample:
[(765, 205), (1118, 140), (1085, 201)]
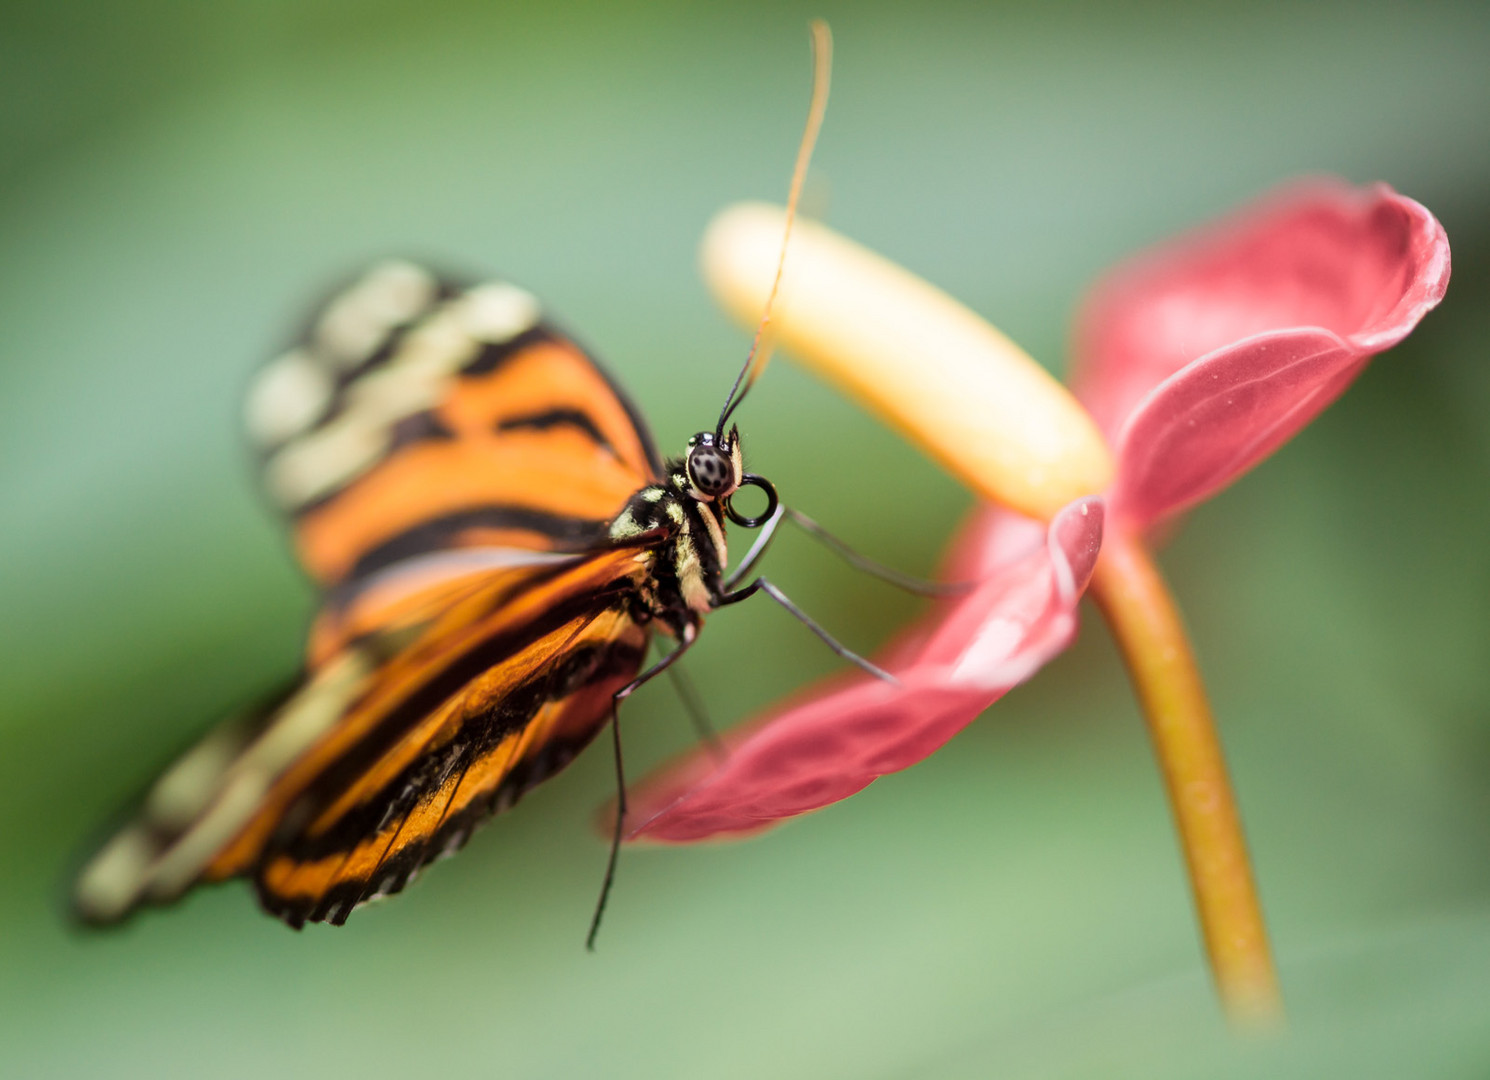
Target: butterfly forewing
[(418, 416)]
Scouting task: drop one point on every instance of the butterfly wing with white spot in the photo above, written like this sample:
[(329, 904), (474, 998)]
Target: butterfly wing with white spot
[(419, 415)]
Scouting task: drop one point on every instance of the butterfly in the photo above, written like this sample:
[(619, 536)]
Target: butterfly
[(496, 539)]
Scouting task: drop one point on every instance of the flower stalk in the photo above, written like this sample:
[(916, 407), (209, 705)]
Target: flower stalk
[(1143, 618)]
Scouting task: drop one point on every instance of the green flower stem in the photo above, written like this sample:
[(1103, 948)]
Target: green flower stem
[(1136, 602)]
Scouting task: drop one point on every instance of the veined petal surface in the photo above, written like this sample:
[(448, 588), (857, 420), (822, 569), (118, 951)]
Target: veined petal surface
[(1201, 357)]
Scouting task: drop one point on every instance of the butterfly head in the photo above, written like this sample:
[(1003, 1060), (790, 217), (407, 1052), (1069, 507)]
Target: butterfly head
[(715, 470)]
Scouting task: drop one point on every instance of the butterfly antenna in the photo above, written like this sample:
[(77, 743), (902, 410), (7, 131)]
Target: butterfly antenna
[(755, 361)]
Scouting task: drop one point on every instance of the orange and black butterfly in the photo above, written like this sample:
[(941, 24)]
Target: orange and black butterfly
[(495, 538)]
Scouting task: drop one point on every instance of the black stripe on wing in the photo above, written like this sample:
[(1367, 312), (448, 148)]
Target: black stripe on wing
[(387, 814), (568, 534), (447, 680), (552, 418)]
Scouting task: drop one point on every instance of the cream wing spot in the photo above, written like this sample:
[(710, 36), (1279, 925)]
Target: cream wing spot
[(317, 465), (414, 379), (288, 396), (189, 785), (312, 713), (111, 883), (357, 321), (183, 862), (497, 312)]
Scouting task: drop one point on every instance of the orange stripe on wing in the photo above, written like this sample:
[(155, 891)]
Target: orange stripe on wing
[(439, 727), (409, 596), (557, 472), (466, 793), (539, 379)]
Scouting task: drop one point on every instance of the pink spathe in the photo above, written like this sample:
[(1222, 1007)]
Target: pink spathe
[(1203, 356)]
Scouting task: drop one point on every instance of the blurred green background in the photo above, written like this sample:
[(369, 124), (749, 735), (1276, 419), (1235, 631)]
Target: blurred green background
[(176, 178)]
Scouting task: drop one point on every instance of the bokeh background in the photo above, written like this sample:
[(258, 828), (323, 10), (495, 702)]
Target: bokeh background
[(177, 178)]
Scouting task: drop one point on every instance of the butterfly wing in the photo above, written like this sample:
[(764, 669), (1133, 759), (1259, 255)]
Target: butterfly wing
[(419, 415), (369, 826), (449, 462)]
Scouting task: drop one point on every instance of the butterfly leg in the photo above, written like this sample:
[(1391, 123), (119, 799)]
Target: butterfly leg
[(919, 586), (757, 549), (909, 583), (760, 584), (615, 726), (693, 704)]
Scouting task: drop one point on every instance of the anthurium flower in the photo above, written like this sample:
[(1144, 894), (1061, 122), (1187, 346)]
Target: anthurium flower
[(1195, 362)]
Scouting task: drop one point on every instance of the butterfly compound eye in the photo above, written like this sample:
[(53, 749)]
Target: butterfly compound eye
[(711, 470)]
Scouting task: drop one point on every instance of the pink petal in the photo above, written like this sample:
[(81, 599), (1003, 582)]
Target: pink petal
[(990, 539), (838, 739), (1201, 357), (1221, 415)]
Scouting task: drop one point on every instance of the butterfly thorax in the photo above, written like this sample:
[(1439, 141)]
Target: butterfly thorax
[(685, 517), (689, 550)]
